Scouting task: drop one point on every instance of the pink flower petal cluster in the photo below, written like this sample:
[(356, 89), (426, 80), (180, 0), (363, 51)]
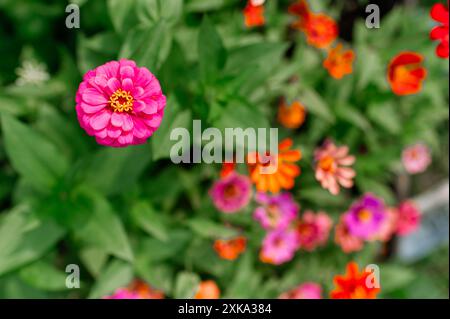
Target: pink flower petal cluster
[(308, 290), (120, 104), (313, 229), (276, 211), (231, 193), (416, 158)]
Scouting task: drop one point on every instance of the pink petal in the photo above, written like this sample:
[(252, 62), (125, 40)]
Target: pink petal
[(127, 124), (117, 119), (100, 120), (90, 109), (127, 84), (126, 72), (93, 97), (113, 85)]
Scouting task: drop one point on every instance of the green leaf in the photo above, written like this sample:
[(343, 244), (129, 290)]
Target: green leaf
[(210, 229), (394, 277), (104, 229), (150, 221), (386, 116), (122, 14), (316, 105), (153, 250), (24, 239), (148, 46), (152, 11), (158, 276), (186, 285), (43, 275), (113, 170), (35, 158), (353, 116), (212, 54), (93, 259), (117, 274), (174, 118)]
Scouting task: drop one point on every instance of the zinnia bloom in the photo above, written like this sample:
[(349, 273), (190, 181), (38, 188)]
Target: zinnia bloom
[(281, 170), (277, 211), (138, 289), (120, 104), (330, 167), (339, 62), (406, 73), (313, 229), (308, 290), (292, 116), (389, 225), (254, 15), (353, 285), (439, 13), (416, 158), (365, 217), (342, 237), (231, 193), (230, 249), (320, 30), (207, 289), (279, 246), (408, 218), (301, 10)]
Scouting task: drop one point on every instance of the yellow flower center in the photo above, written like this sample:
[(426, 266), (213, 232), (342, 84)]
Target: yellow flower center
[(327, 163), (364, 215), (121, 101)]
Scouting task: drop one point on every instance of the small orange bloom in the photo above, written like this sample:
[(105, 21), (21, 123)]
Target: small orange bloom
[(273, 172), (207, 289), (406, 73), (227, 169), (301, 10), (354, 284), (230, 249), (321, 30), (339, 62), (254, 15), (291, 116), (145, 291)]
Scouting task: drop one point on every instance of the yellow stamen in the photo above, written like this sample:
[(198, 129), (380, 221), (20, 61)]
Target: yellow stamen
[(364, 215), (121, 101)]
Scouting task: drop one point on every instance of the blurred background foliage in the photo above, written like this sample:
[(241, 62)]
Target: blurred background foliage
[(125, 213)]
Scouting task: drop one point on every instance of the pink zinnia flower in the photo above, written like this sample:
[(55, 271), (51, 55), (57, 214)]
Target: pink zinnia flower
[(308, 290), (120, 104), (123, 293), (330, 167), (231, 193), (408, 218), (365, 217), (279, 246), (277, 212), (345, 239), (416, 158), (313, 230)]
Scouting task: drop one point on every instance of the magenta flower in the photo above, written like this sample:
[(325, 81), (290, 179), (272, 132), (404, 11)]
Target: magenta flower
[(277, 211), (408, 218), (416, 158), (365, 217), (308, 290), (123, 293), (279, 246), (231, 193), (120, 104), (313, 230)]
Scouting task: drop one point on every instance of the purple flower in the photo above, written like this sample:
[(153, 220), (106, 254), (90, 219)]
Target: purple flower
[(365, 217), (279, 246), (277, 211), (231, 193)]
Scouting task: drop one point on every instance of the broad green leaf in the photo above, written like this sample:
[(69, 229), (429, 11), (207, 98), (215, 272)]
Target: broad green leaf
[(186, 285), (316, 105), (148, 46), (93, 259), (152, 11), (150, 221), (104, 230), (210, 229), (122, 14), (153, 250), (159, 276), (212, 54), (117, 274), (24, 239), (113, 170), (43, 275), (385, 116), (35, 158)]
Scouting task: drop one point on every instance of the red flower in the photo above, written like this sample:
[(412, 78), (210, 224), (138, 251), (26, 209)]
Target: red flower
[(230, 249), (254, 15), (406, 73), (439, 13), (353, 285)]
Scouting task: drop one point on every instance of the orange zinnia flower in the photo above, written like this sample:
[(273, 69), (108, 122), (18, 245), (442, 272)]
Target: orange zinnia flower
[(321, 30), (278, 173), (291, 116), (406, 73), (254, 15), (230, 249), (339, 62), (301, 10), (144, 291), (207, 289), (353, 284)]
